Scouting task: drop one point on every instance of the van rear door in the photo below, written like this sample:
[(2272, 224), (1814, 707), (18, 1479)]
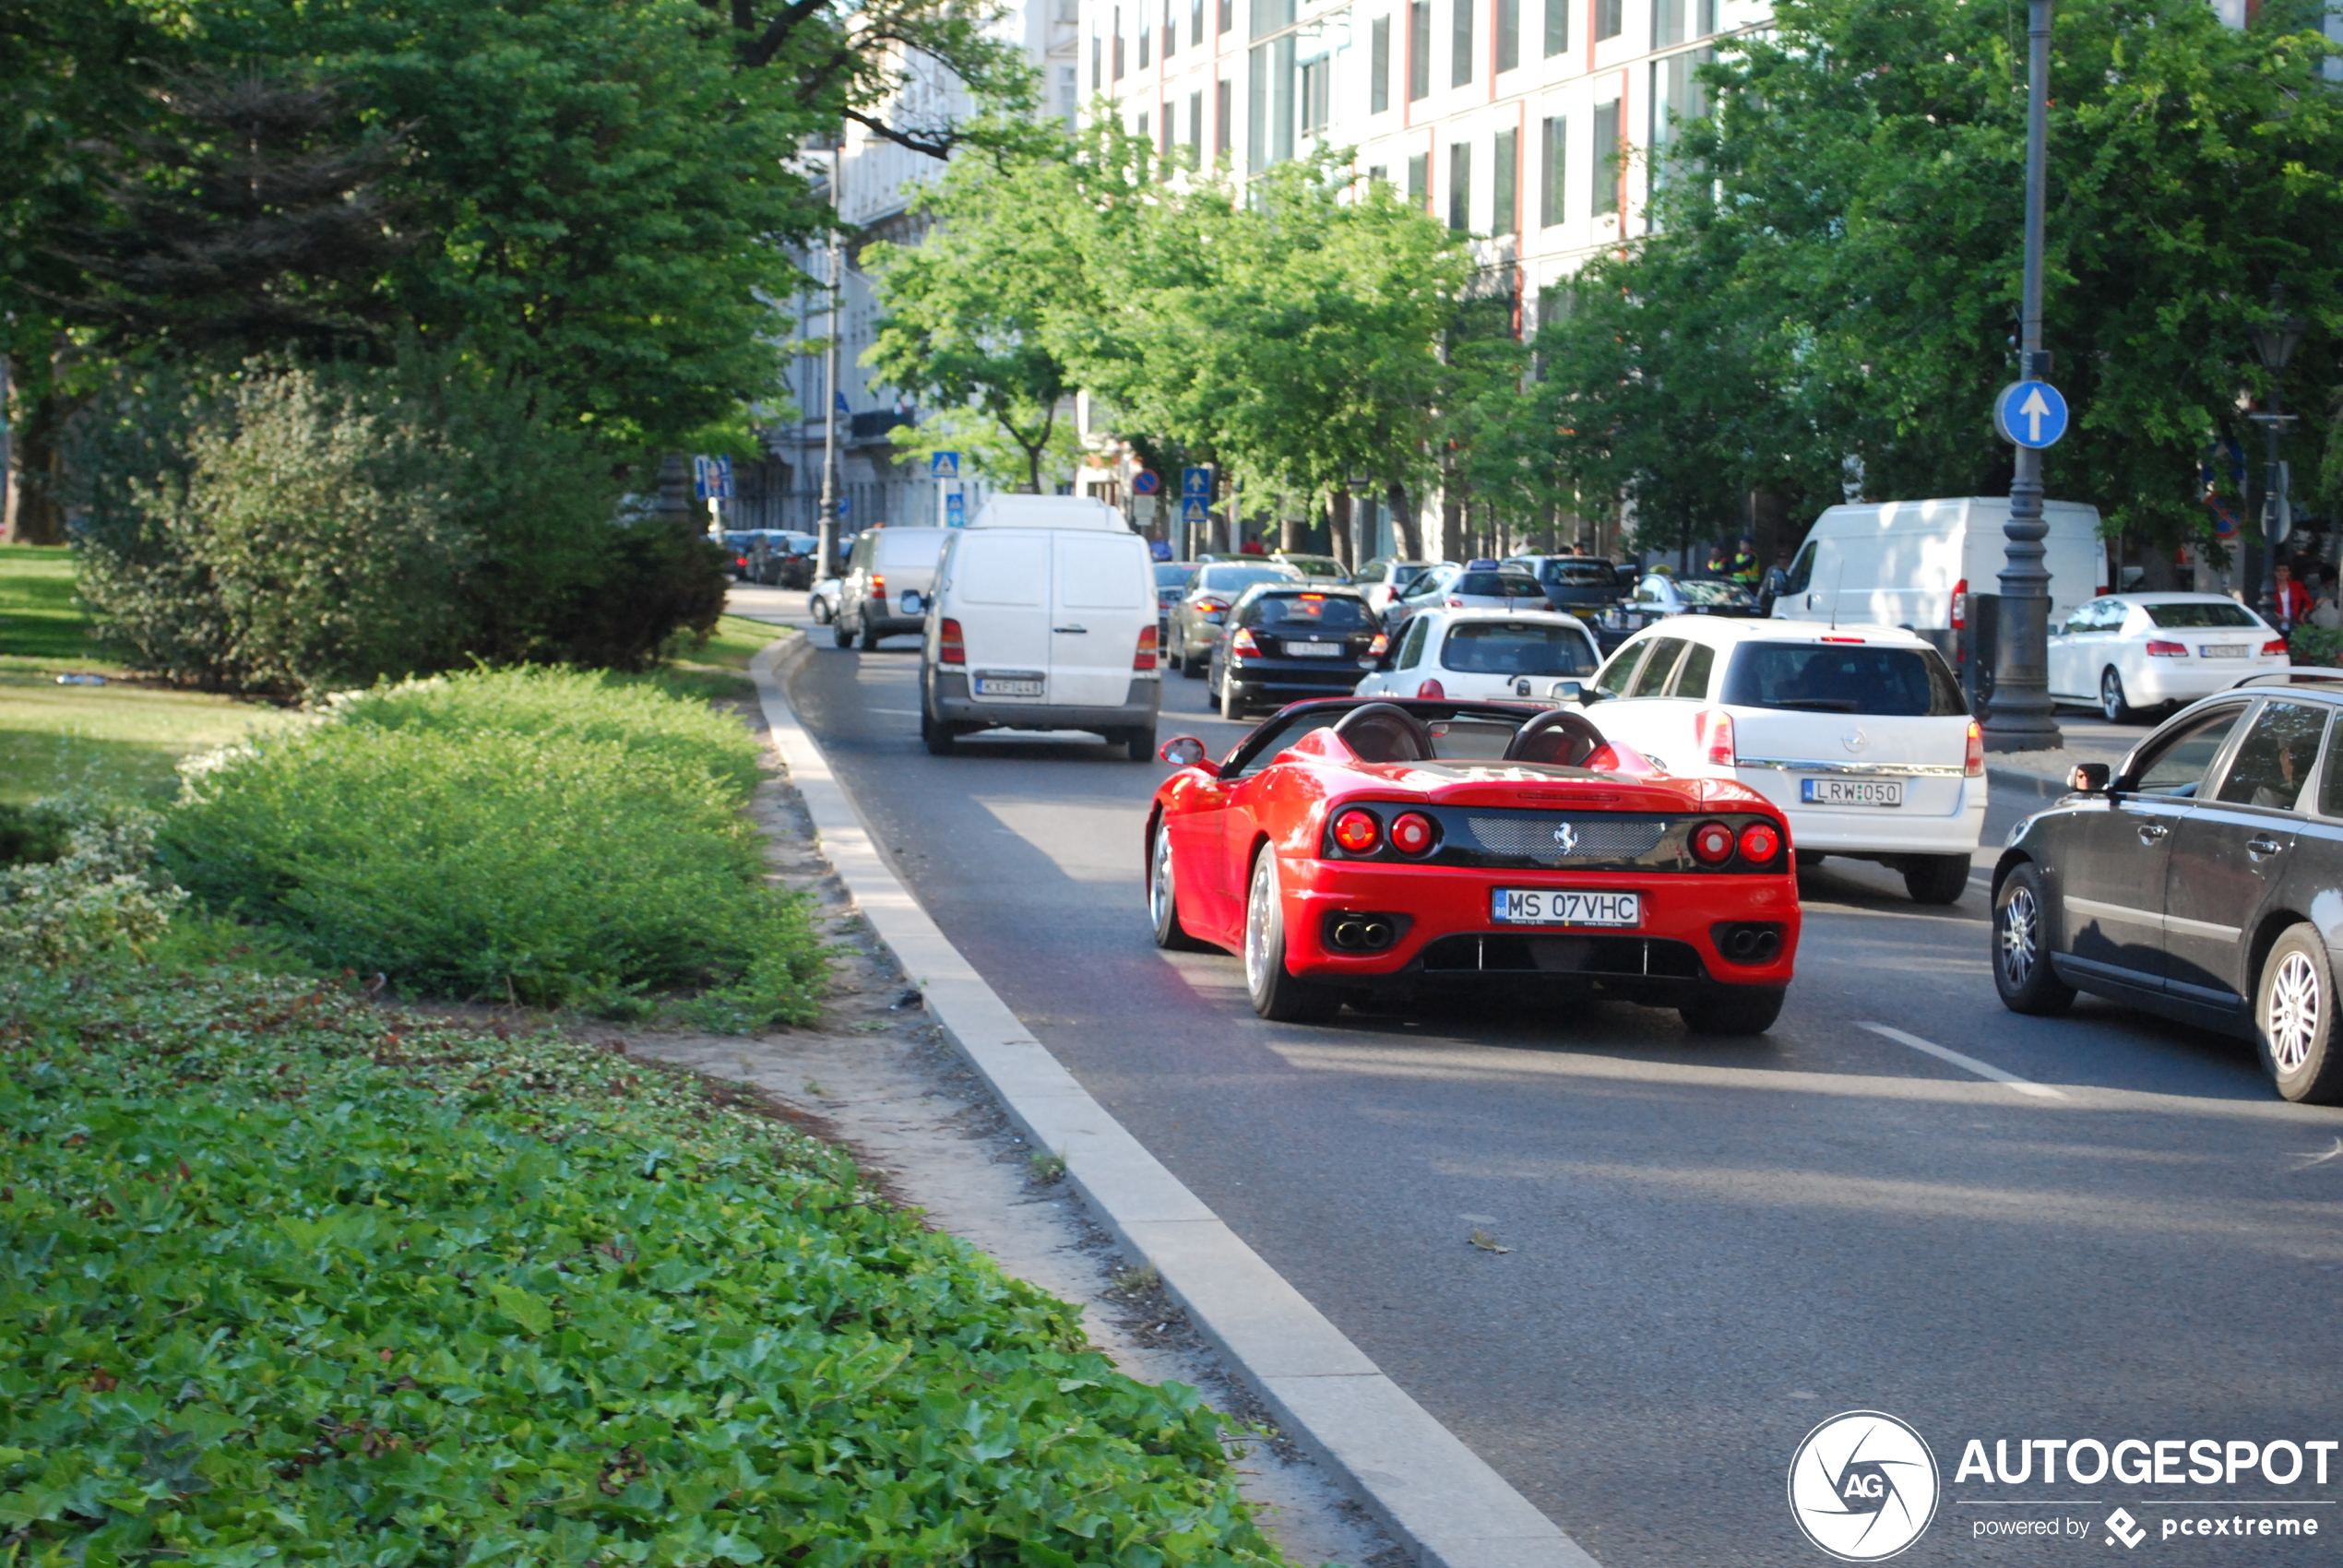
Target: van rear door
[(1000, 596), (1101, 597)]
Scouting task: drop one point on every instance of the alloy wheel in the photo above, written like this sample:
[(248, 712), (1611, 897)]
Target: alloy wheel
[(2291, 1015), (1260, 914), (2021, 936), (1159, 875), (2110, 697)]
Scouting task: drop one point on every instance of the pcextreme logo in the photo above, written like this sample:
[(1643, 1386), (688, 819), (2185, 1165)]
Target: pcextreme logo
[(1862, 1486)]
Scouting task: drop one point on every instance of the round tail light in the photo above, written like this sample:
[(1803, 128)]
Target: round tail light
[(1759, 842), (1413, 833), (1712, 843), (1431, 689), (1358, 832)]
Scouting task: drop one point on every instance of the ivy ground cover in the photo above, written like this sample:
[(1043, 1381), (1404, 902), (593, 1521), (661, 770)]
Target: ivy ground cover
[(289, 1278)]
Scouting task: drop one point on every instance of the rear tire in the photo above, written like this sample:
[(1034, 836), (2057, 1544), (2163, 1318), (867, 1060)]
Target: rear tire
[(1164, 898), (2022, 970), (1737, 1010), (2113, 703), (820, 610), (1138, 744), (869, 638), (1190, 665), (937, 736), (1232, 698), (841, 635), (1277, 994), (1936, 879), (2294, 1018)]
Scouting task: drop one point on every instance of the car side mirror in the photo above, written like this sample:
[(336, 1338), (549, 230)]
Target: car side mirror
[(1185, 750), (1567, 691), (2089, 778)]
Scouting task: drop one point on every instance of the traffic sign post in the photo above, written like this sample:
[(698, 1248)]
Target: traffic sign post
[(1195, 483), (1146, 482), (944, 468), (956, 510), (1195, 512), (2030, 413)]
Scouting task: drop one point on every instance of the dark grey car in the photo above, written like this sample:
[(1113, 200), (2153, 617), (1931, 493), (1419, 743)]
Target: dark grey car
[(1195, 619)]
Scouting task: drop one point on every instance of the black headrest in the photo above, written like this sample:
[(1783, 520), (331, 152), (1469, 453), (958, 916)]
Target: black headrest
[(1382, 731), (1555, 736)]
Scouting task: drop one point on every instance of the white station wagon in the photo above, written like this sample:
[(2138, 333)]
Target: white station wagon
[(1859, 734)]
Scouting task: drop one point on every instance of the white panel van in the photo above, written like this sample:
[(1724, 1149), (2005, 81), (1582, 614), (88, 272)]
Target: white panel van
[(1044, 617)]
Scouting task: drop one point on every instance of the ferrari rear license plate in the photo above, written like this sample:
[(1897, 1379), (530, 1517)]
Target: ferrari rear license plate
[(1852, 792), (2221, 650), (1003, 687), (1311, 650), (1548, 905)]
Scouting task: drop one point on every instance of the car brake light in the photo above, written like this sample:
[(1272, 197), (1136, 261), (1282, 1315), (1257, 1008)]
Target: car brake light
[(1208, 602), (1358, 832), (1413, 833), (1431, 689), (1242, 643), (878, 587), (1759, 842), (1960, 605), (1719, 739), (1312, 598), (1712, 843), (1382, 642), (2275, 645), (2159, 649), (949, 647), (1973, 760), (1856, 640), (1454, 603), (1145, 657)]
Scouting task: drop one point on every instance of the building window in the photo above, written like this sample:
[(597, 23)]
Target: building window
[(1667, 23), (1611, 19), (1196, 128), (1419, 48), (1318, 95), (1097, 49), (1460, 44), (1557, 26), (1140, 130), (1271, 16), (1171, 135), (1379, 66), (1269, 104), (1461, 186), (1606, 157), (1147, 36), (1378, 174), (1551, 188), (1504, 166), (1223, 114), (1676, 95), (1420, 179), (1509, 34), (1228, 14), (1118, 44), (1069, 91), (1170, 31), (1195, 22)]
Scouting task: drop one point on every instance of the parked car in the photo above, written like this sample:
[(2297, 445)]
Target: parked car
[(1314, 568), (1476, 585), (1579, 584), (2130, 651), (736, 545), (1658, 596), (1493, 655), (1385, 577), (821, 601), (782, 558), (2200, 879), (886, 584), (1196, 618), (1368, 848), (1044, 618), (1859, 735), (1286, 641)]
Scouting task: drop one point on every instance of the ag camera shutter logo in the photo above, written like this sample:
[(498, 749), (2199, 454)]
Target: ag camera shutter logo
[(1863, 1486)]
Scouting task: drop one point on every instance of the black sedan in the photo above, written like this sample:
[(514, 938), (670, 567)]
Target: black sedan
[(1284, 643), (2203, 880)]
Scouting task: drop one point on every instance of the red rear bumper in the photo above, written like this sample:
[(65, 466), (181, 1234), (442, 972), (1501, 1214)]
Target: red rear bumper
[(1445, 901)]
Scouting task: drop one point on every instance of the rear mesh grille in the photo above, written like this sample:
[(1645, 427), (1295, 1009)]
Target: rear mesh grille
[(1563, 841), (1507, 953)]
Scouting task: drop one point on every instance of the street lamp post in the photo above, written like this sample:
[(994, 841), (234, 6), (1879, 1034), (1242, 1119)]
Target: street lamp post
[(2273, 344), (825, 549), (2021, 717)]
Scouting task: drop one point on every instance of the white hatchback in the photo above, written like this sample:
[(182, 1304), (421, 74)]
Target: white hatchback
[(2128, 651), (1858, 734), (1484, 655)]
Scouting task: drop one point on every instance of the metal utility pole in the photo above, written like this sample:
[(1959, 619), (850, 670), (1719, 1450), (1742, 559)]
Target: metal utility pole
[(2031, 415), (2273, 344), (826, 550)]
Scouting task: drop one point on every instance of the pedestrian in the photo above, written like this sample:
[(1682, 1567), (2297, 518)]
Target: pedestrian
[(1775, 583), (1160, 550), (1744, 568), (1716, 568), (1251, 547), (2293, 599)]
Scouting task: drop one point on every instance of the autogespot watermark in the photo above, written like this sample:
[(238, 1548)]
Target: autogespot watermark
[(1863, 1486)]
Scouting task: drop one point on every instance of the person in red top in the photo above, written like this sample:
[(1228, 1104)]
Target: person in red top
[(2293, 599), (1251, 547)]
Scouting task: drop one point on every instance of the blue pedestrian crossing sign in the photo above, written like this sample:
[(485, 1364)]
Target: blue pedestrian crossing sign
[(2031, 413), (1197, 484), (943, 465), (1193, 510), (956, 510)]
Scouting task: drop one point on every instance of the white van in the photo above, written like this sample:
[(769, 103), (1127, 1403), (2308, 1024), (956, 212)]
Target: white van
[(1044, 618), (885, 588), (1925, 564)]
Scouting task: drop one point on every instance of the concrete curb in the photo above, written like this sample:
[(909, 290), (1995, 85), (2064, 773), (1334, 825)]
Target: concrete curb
[(1410, 1472)]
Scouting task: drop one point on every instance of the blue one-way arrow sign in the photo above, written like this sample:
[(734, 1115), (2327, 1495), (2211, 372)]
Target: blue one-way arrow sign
[(2031, 413)]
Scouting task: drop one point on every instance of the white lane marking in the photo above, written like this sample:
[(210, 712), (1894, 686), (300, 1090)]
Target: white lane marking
[(895, 712), (1966, 1063)]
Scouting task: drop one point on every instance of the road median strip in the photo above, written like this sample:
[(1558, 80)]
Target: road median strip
[(1414, 1475)]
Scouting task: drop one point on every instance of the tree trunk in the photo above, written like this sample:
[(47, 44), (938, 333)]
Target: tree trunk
[(1289, 533), (1338, 529), (1405, 524), (41, 472)]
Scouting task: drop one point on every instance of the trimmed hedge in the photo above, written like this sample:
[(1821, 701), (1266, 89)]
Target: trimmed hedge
[(289, 1279)]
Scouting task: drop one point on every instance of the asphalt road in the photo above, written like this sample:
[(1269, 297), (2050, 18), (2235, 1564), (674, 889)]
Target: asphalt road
[(1715, 1245)]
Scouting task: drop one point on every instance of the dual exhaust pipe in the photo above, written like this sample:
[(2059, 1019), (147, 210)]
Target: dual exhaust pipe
[(1748, 941), (1361, 933)]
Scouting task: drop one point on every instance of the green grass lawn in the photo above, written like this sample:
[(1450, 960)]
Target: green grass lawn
[(718, 668), (118, 737)]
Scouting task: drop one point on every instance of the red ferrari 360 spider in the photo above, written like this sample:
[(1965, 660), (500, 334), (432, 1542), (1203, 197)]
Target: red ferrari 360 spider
[(1360, 849)]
